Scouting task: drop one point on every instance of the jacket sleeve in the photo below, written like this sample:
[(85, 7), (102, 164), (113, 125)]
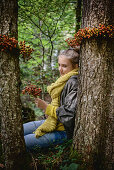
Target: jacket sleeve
[(66, 112)]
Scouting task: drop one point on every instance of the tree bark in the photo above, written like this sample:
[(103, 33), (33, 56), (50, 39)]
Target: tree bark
[(93, 133), (10, 104)]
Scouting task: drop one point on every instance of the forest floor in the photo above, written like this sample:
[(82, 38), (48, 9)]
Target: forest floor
[(56, 158), (59, 157)]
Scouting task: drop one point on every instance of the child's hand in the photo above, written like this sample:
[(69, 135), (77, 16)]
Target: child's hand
[(48, 126), (38, 133), (41, 104)]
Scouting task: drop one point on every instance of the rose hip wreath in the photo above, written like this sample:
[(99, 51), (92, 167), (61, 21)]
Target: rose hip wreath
[(25, 51), (8, 43), (101, 31), (32, 90)]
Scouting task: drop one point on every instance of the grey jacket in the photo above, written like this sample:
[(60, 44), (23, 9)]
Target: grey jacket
[(68, 105)]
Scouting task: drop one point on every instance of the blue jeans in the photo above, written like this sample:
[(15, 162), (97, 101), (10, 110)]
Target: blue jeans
[(47, 140)]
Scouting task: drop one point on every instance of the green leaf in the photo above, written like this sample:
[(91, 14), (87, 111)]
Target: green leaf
[(72, 166)]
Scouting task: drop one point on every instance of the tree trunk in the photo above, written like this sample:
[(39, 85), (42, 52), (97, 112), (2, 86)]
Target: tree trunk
[(93, 136), (10, 104)]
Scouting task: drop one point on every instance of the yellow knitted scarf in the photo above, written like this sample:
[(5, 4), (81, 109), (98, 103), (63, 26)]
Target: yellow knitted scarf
[(56, 88)]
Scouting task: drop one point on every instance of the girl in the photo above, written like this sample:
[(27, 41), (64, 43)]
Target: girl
[(59, 125)]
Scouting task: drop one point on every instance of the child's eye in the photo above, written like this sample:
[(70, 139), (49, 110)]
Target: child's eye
[(64, 65)]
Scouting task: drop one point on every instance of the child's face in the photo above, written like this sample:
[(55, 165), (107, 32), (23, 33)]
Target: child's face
[(65, 65)]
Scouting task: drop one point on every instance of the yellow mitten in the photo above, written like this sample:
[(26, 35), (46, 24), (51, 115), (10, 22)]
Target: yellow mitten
[(48, 126)]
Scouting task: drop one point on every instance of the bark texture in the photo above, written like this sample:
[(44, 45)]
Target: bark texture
[(10, 104), (97, 12), (8, 17), (94, 124)]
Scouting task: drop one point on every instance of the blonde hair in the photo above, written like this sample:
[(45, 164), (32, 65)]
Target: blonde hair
[(72, 54)]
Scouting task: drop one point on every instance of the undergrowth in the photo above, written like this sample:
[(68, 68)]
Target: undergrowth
[(59, 157)]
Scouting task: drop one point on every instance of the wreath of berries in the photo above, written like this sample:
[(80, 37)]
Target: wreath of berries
[(8, 43), (101, 31)]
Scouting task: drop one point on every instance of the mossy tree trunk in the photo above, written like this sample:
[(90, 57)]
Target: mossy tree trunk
[(93, 134), (10, 104)]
